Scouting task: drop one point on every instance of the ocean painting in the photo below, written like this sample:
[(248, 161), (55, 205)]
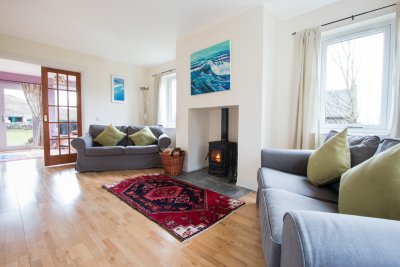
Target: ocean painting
[(118, 89), (210, 69)]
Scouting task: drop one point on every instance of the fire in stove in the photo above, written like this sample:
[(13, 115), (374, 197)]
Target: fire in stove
[(216, 155)]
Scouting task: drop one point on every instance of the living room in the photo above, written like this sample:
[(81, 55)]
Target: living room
[(263, 102)]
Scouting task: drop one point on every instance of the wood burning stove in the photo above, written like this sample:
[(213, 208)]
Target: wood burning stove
[(222, 155)]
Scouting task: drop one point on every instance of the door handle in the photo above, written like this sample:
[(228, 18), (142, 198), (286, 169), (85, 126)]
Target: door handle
[(45, 118)]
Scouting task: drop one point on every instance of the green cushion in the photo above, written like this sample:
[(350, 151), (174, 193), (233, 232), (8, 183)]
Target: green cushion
[(328, 162), (143, 137), (110, 136), (373, 187)]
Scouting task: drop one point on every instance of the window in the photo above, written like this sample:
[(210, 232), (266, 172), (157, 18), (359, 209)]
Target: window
[(167, 101), (355, 78)]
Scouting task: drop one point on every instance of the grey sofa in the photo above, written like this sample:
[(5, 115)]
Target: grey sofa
[(300, 223), (124, 156)]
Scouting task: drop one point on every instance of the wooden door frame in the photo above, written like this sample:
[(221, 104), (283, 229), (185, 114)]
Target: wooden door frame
[(67, 158)]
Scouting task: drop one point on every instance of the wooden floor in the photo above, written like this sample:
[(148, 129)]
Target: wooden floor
[(56, 217)]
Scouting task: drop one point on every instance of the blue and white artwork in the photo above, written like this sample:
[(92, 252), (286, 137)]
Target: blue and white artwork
[(118, 89), (210, 69)]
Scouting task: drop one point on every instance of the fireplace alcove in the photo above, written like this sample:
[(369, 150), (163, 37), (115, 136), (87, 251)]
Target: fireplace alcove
[(204, 128)]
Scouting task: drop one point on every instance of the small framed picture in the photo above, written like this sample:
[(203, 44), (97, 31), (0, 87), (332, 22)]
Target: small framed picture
[(118, 89)]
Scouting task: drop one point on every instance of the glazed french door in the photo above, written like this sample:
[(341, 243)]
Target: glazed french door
[(61, 97)]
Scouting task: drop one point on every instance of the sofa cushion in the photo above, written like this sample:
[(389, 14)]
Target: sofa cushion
[(270, 178), (361, 147), (105, 151), (144, 137), (338, 240), (111, 136), (372, 188), (387, 143), (157, 130), (330, 160), (277, 202), (95, 130), (138, 150)]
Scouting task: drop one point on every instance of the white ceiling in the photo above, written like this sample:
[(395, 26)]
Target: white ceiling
[(285, 9), (138, 32), (19, 67)]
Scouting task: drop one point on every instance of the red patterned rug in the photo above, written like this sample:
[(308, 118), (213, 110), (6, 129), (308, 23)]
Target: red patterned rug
[(180, 208)]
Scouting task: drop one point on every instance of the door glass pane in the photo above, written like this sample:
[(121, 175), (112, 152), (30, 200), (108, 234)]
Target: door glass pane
[(64, 129), (72, 99), (73, 114), (52, 80), (54, 148), (53, 130), (53, 114), (52, 97), (73, 129), (63, 114), (71, 82), (63, 101), (64, 146), (62, 81), (18, 118)]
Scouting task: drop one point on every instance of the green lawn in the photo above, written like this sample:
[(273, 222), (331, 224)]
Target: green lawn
[(18, 137)]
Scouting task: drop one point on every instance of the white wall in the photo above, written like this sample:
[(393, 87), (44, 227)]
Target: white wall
[(245, 32), (270, 123), (283, 102), (214, 120), (96, 79)]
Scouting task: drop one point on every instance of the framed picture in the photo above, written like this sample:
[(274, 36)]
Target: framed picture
[(118, 89), (210, 69)]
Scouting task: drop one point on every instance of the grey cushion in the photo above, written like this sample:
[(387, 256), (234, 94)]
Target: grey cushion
[(157, 130), (269, 178), (336, 240), (95, 130), (105, 151), (293, 161), (164, 141), (386, 144), (361, 147), (137, 150), (277, 202)]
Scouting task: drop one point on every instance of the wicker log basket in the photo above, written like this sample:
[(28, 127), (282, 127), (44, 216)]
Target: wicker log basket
[(172, 160)]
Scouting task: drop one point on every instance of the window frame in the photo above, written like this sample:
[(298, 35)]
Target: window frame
[(385, 26)]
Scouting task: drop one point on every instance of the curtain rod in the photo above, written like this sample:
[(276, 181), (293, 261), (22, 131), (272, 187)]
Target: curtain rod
[(12, 81), (353, 16), (161, 73)]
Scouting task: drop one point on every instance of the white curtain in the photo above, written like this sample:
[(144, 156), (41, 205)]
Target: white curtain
[(395, 130), (306, 131), (157, 85), (33, 95)]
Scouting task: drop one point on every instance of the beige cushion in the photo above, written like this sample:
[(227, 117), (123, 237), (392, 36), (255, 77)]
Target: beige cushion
[(328, 162), (143, 137), (110, 136), (373, 187)]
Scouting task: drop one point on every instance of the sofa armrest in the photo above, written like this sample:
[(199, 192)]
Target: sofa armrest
[(293, 161), (83, 142), (311, 238), (164, 141)]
